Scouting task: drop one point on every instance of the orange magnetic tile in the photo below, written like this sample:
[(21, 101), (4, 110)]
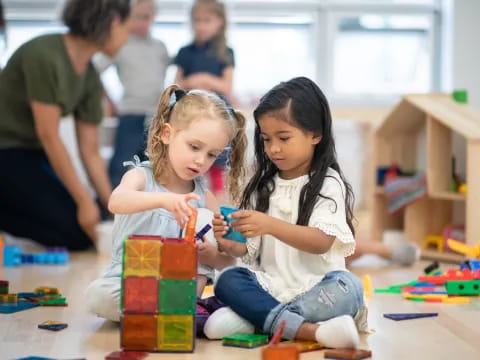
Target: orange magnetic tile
[(179, 260), (140, 295), (139, 332), (280, 352)]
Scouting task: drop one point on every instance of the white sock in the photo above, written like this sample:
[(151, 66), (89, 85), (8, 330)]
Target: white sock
[(339, 332), (224, 322)]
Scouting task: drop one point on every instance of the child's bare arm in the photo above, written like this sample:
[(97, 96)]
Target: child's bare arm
[(305, 238), (129, 198)]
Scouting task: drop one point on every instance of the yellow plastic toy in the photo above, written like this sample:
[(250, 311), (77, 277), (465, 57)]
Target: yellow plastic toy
[(457, 246), (367, 286), (434, 240)]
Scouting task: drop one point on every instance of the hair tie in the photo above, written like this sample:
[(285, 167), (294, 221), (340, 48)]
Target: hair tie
[(176, 96)]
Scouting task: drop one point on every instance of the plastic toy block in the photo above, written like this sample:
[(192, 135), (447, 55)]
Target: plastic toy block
[(457, 246), (456, 300), (175, 333), (142, 257), (245, 340), (281, 352), (140, 295), (388, 291), (47, 290), (126, 355), (199, 236), (9, 308), (304, 346), (35, 358), (430, 292), (8, 298), (52, 325), (347, 354), (424, 296), (177, 297), (432, 267), (53, 302), (178, 259), (139, 332), (451, 275), (409, 316), (422, 300), (12, 255), (28, 295), (435, 241), (473, 265), (190, 228), (471, 287), (433, 300), (231, 234), (367, 286), (424, 284)]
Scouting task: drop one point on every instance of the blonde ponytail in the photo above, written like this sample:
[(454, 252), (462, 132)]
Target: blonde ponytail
[(238, 148)]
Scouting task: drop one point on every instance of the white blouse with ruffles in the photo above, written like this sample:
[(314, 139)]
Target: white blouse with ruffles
[(286, 272)]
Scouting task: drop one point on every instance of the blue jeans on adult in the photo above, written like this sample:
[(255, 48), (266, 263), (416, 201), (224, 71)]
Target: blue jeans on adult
[(339, 293), (130, 140)]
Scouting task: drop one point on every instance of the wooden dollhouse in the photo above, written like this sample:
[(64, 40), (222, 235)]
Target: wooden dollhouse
[(423, 133)]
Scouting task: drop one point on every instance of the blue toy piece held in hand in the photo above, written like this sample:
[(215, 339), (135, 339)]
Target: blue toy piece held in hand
[(231, 234)]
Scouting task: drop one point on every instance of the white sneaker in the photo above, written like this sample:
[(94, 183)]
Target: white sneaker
[(224, 322), (339, 332)]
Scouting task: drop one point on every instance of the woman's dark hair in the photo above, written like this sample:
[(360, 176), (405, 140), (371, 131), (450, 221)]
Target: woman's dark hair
[(301, 103), (92, 19)]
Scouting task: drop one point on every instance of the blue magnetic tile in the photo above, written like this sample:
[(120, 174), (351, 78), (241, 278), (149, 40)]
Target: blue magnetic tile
[(409, 316), (231, 234), (9, 308)]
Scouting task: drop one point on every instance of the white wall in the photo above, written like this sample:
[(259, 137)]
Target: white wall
[(462, 45)]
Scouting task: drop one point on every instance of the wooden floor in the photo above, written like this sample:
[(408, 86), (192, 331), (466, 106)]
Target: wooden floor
[(454, 334)]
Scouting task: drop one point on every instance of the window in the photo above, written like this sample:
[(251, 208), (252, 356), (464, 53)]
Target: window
[(382, 54)]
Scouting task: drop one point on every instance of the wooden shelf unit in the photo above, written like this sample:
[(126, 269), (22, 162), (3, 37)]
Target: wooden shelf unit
[(429, 119)]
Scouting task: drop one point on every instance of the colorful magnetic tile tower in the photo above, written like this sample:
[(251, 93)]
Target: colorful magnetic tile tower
[(158, 297)]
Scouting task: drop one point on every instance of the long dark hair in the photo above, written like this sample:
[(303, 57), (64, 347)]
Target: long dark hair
[(301, 102)]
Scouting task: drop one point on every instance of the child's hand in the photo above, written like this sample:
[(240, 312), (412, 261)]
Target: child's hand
[(251, 223), (179, 206), (220, 228), (207, 253)]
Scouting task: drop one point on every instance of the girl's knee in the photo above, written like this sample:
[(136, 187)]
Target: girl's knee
[(102, 298), (227, 280)]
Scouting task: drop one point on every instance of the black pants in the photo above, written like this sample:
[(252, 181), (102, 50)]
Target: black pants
[(35, 204)]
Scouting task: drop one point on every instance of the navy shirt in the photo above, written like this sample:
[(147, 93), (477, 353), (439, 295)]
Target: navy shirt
[(195, 58)]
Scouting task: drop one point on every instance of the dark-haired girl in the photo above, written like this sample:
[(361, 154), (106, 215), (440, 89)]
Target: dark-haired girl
[(51, 76), (298, 220)]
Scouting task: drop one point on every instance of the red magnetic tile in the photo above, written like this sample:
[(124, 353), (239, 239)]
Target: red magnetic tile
[(139, 332), (178, 260), (140, 294)]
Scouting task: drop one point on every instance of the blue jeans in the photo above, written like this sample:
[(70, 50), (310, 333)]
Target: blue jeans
[(339, 293), (130, 140)]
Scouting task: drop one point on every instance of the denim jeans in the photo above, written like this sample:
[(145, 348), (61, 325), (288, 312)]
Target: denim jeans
[(339, 293), (130, 140)]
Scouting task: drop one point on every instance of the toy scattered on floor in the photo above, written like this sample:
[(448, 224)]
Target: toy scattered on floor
[(408, 316), (231, 234), (458, 284), (432, 267), (275, 351), (248, 341), (367, 286), (472, 251), (10, 308), (342, 354), (52, 325), (43, 358), (12, 256), (8, 298), (3, 287), (473, 265), (435, 241), (158, 296), (304, 346), (47, 290), (126, 355)]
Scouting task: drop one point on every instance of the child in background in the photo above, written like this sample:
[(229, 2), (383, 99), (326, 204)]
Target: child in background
[(298, 221), (207, 63), (141, 65), (188, 133)]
